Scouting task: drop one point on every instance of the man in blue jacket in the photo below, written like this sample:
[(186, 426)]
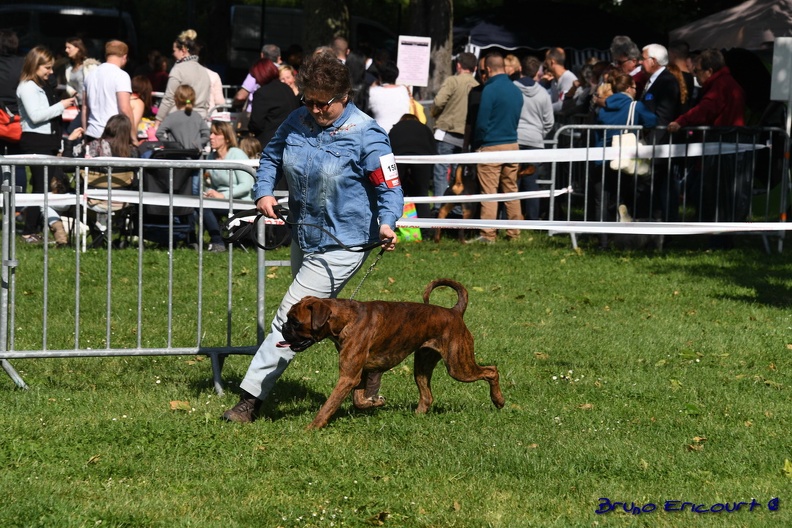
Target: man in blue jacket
[(496, 130)]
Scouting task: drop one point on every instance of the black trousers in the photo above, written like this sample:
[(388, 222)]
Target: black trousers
[(33, 143)]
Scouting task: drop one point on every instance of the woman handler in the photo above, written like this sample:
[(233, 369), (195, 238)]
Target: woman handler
[(342, 176)]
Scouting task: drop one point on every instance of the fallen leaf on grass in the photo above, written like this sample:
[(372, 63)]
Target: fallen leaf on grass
[(699, 439), (692, 410), (541, 355), (176, 405), (748, 423), (695, 447), (789, 346), (533, 446), (644, 465), (94, 459), (586, 406), (379, 519), (456, 506), (787, 468)]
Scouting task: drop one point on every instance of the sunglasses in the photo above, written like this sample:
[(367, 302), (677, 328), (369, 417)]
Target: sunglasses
[(319, 105)]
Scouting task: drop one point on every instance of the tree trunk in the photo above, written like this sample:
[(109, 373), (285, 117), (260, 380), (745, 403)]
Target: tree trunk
[(324, 20), (434, 19)]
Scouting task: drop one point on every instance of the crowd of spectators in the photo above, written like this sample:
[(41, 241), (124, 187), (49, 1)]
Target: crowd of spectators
[(490, 103)]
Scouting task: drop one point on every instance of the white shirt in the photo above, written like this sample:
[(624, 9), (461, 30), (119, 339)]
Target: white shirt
[(388, 104), (101, 88)]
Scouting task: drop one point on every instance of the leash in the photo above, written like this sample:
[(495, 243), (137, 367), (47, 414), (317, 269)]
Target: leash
[(244, 229)]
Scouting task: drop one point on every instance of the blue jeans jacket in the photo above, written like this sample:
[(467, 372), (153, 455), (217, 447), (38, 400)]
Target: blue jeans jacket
[(334, 176)]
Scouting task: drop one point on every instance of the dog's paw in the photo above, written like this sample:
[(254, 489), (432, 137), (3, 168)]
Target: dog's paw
[(362, 403)]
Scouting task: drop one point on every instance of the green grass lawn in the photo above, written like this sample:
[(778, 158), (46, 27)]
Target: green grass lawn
[(637, 377)]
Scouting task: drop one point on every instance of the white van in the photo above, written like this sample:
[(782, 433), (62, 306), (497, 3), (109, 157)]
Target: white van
[(51, 25)]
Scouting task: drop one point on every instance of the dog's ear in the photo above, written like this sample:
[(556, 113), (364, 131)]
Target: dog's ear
[(320, 314)]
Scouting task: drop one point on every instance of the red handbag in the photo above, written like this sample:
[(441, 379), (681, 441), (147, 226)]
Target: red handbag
[(10, 126)]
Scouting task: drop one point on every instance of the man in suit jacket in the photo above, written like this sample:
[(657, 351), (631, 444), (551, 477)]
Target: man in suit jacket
[(661, 96)]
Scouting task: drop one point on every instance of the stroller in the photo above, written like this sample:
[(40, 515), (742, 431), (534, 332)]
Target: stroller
[(157, 218)]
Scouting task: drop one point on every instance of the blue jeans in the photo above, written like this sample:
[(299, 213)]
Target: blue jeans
[(442, 172), (322, 275)]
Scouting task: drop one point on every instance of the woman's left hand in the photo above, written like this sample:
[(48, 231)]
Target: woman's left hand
[(387, 233)]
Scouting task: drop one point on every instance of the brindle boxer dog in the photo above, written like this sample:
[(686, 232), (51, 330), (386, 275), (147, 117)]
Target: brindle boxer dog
[(376, 336)]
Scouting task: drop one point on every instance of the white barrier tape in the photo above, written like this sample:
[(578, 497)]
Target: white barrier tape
[(130, 197), (133, 163), (583, 154), (180, 200), (475, 198), (635, 228)]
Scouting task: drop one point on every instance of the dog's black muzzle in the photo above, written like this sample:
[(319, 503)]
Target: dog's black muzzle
[(294, 341)]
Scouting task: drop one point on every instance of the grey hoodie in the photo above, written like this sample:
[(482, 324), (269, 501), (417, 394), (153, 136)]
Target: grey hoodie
[(536, 118)]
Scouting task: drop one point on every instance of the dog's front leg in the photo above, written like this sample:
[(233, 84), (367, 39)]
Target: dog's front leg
[(340, 392), (351, 358)]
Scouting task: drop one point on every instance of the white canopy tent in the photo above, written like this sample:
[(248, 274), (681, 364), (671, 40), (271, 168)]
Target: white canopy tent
[(751, 25)]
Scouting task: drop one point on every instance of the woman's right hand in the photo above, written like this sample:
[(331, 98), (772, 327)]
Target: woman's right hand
[(265, 206), (68, 102)]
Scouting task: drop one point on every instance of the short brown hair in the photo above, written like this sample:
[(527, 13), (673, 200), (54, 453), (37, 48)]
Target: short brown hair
[(117, 48), (323, 73), (621, 81)]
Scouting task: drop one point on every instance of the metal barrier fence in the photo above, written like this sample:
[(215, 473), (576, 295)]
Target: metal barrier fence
[(717, 175), (94, 317), (582, 194), (579, 173)]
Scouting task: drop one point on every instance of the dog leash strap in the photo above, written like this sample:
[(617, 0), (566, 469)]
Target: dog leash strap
[(368, 272)]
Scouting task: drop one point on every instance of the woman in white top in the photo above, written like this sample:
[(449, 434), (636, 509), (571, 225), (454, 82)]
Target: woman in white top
[(388, 101), (41, 127), (79, 68)]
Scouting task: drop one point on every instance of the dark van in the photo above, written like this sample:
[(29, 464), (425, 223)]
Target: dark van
[(51, 25), (284, 26)]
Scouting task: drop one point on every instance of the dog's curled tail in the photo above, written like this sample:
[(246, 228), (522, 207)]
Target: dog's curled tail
[(462, 294)]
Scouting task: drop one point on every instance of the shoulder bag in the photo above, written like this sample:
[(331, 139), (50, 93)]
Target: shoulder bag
[(10, 126), (627, 142)]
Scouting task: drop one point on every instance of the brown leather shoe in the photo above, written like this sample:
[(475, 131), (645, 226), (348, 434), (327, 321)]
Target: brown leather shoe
[(245, 411)]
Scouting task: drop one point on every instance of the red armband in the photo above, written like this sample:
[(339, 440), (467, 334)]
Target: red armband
[(386, 172)]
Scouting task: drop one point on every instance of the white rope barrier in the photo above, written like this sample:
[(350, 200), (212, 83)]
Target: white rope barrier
[(566, 155), (635, 228), (516, 156)]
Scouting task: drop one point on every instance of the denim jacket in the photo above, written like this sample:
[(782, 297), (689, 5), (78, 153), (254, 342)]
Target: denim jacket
[(335, 177)]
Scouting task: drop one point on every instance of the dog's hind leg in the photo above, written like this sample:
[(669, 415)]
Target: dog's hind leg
[(425, 361), (366, 394), (461, 365)]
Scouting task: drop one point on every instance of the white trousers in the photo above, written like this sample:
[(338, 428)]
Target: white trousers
[(322, 275)]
